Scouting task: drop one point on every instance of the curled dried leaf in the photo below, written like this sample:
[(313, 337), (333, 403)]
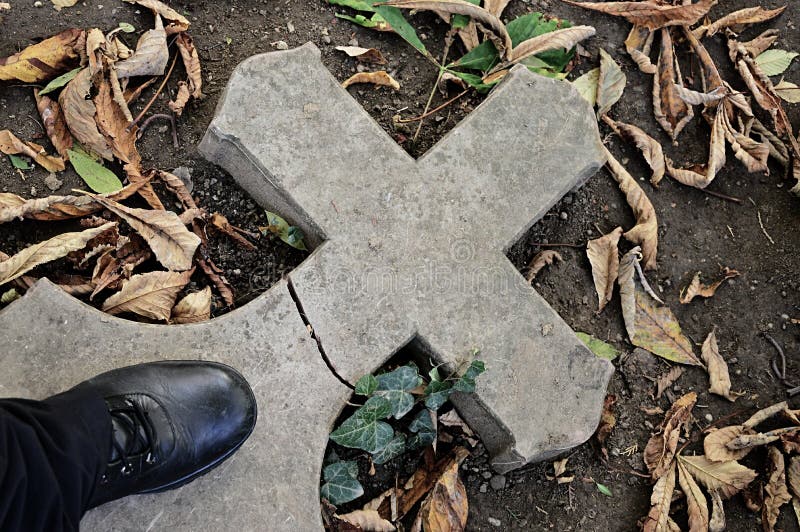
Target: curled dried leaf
[(181, 99), (638, 45), (651, 14), (603, 255), (726, 477), (151, 295), (79, 112), (738, 19), (667, 379), (660, 450), (702, 176), (45, 60), (446, 507), (717, 369), (671, 112), (366, 55), (748, 440), (716, 447), (177, 22), (717, 522), (191, 62), (380, 77), (696, 504), (697, 289), (151, 55), (222, 223), (54, 123), (367, 521), (650, 148), (540, 260), (775, 492), (760, 44), (765, 414), (193, 308), (565, 38), (11, 145), (658, 519)]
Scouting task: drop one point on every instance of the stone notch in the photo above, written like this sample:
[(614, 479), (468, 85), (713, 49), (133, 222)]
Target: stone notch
[(413, 250), (51, 341)]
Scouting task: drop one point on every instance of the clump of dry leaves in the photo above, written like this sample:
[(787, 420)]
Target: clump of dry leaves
[(89, 124)]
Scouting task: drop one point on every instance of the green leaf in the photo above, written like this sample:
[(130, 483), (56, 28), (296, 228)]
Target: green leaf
[(474, 81), (774, 62), (422, 425), (400, 25), (598, 347), (466, 383), (99, 178), (361, 20), (483, 57), (586, 85), (394, 386), (364, 430), (341, 483), (603, 489), (9, 296), (366, 385), (525, 27), (532, 25), (788, 91), (290, 234), (460, 21), (359, 5), (19, 163), (60, 81), (393, 449), (126, 28), (438, 393)]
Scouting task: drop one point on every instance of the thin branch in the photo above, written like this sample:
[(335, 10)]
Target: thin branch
[(153, 99), (433, 111)]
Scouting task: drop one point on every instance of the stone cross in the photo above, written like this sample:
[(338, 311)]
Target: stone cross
[(406, 253)]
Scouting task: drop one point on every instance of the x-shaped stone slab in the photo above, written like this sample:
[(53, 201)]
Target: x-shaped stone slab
[(413, 250)]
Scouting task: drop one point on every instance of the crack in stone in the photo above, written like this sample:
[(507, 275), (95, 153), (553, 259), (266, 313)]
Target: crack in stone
[(312, 332)]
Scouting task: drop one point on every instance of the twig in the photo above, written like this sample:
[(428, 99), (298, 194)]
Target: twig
[(153, 99), (763, 230), (433, 111), (436, 84), (556, 245), (645, 284), (720, 195), (780, 373), (169, 117)]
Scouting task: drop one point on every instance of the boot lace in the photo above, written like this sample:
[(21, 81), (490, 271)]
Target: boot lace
[(133, 418)]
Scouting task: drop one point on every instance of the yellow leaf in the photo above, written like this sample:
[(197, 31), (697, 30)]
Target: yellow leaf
[(380, 77), (45, 60), (11, 145), (151, 295), (603, 255), (726, 477), (193, 308)]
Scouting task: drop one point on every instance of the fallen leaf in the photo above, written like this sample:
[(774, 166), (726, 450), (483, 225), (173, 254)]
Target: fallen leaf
[(650, 327), (54, 123), (696, 504), (717, 522), (638, 45), (749, 440), (661, 447), (716, 443), (794, 475), (671, 112), (79, 112), (172, 244), (657, 519), (5, 5), (177, 22), (99, 178), (193, 308), (760, 44), (215, 275), (726, 477), (11, 145), (181, 99), (191, 63), (565, 38), (667, 379), (765, 414), (46, 251), (603, 255), (60, 4), (45, 60), (151, 295), (645, 232), (610, 83), (701, 176), (603, 489), (495, 7), (788, 91), (59, 82), (452, 419), (380, 77), (717, 369), (598, 347), (586, 85), (738, 19), (698, 289), (649, 147), (775, 492), (151, 55), (651, 14), (774, 62), (607, 423), (540, 260), (222, 223), (368, 521), (446, 507), (366, 55)]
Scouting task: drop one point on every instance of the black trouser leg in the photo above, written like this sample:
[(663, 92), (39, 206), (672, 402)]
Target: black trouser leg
[(52, 453)]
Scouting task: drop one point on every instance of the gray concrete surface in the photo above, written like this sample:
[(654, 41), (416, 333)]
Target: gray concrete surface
[(412, 251)]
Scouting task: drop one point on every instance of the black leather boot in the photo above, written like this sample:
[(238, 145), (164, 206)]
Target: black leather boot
[(171, 422)]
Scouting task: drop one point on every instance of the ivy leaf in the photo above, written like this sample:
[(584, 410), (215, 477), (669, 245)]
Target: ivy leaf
[(341, 483), (290, 234), (364, 430), (775, 62), (366, 385), (598, 347), (425, 432), (18, 162), (438, 392), (393, 449), (400, 25), (99, 178), (466, 383), (60, 81), (394, 387)]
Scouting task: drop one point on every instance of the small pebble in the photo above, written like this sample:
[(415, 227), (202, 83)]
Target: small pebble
[(494, 522), (52, 182), (37, 3), (352, 42), (281, 45), (709, 418), (498, 482), (484, 488), (290, 27), (563, 215), (486, 474), (326, 39)]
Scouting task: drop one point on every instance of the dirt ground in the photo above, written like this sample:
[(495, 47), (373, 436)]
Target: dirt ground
[(697, 231)]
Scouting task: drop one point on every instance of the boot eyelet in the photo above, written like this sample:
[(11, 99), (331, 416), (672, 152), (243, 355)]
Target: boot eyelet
[(151, 459), (126, 470), (104, 479)]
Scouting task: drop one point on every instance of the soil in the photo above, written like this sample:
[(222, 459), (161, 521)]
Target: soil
[(697, 231)]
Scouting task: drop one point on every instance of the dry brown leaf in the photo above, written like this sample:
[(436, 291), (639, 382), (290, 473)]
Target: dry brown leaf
[(60, 4), (495, 7), (603, 255), (667, 379), (660, 449), (657, 519), (650, 327), (702, 176), (112, 267), (751, 153), (113, 124), (716, 448), (46, 251), (712, 81), (671, 112), (738, 19), (649, 147), (638, 45), (151, 55), (177, 22), (380, 77), (717, 522), (726, 477), (193, 308), (45, 60), (645, 232), (607, 423), (215, 274), (177, 187), (172, 244), (775, 492), (540, 260), (368, 521), (759, 45), (79, 112), (650, 14), (222, 223), (717, 369), (794, 476), (565, 38), (151, 295), (696, 504), (446, 507), (366, 55), (11, 145), (54, 123), (181, 99), (191, 62), (452, 419), (697, 289), (766, 413)]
